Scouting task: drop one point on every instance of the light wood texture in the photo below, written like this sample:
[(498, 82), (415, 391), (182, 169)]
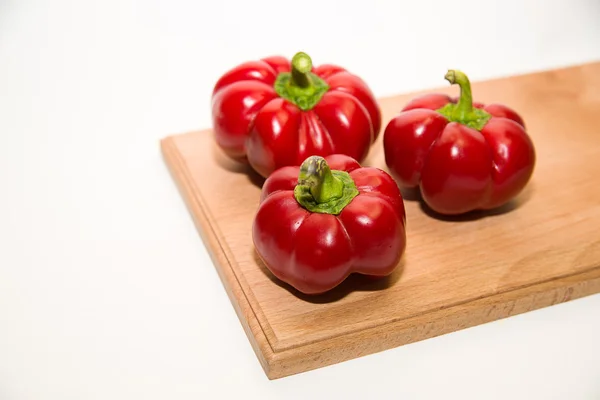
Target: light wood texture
[(543, 249)]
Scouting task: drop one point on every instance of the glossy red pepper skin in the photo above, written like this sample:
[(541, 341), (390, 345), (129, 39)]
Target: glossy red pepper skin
[(314, 252), (457, 168), (253, 124)]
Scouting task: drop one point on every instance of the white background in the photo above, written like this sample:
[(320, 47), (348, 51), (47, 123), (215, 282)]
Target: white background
[(106, 290)]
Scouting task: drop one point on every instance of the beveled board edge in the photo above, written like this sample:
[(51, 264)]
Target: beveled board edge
[(375, 339), (436, 323)]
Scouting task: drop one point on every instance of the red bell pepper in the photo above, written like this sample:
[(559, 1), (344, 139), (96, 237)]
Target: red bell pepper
[(273, 113), (330, 217), (463, 155)]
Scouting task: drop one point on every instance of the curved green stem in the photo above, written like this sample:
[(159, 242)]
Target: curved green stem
[(321, 189), (463, 112), (465, 102)]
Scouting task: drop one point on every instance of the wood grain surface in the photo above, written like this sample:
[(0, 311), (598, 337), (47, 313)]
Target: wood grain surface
[(541, 249)]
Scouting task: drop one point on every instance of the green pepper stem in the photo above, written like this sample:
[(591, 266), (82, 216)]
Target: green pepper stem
[(323, 190), (301, 66), (316, 175), (465, 102), (463, 112), (300, 86)]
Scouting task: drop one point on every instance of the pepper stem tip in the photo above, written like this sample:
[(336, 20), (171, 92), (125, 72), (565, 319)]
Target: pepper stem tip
[(302, 62), (451, 76)]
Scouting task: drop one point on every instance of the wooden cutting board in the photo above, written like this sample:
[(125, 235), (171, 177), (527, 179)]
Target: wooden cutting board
[(540, 250)]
